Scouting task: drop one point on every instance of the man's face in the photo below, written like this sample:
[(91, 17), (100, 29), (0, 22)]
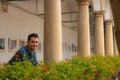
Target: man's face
[(33, 43)]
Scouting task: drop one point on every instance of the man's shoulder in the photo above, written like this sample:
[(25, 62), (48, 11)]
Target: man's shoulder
[(22, 49)]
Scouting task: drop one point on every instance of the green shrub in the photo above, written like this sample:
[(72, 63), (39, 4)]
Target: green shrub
[(75, 68)]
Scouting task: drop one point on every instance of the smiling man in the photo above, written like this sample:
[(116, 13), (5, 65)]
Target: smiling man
[(27, 52)]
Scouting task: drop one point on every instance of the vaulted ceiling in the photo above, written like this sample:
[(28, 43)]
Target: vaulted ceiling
[(69, 11)]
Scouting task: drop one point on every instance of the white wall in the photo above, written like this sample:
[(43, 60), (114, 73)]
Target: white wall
[(17, 24), (96, 4), (107, 10), (69, 42)]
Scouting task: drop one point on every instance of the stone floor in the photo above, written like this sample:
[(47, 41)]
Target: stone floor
[(115, 76)]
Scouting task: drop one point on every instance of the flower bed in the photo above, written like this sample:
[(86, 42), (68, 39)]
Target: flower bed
[(75, 68)]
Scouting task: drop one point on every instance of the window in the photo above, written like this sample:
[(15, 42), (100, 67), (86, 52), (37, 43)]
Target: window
[(2, 44), (12, 45)]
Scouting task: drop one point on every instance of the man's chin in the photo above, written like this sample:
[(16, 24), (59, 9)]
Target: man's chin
[(33, 48)]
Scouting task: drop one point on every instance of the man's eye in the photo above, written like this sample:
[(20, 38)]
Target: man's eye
[(36, 41)]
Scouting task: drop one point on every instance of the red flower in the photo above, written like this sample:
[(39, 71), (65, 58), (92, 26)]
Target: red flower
[(39, 75), (46, 66), (43, 66), (78, 79), (66, 59), (17, 56), (34, 68), (96, 73), (26, 75), (75, 55), (45, 71)]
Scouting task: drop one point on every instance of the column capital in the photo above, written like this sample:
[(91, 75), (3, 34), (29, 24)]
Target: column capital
[(109, 20), (99, 12), (83, 1)]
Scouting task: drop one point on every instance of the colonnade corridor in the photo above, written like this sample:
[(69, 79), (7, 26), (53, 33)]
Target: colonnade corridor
[(104, 38)]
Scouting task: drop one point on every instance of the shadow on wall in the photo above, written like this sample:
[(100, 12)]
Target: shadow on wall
[(115, 4)]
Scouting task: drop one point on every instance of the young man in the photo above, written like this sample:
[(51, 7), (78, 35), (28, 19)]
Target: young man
[(27, 52)]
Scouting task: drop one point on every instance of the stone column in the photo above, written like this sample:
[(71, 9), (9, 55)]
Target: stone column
[(83, 28), (52, 31), (102, 4), (116, 52), (99, 32), (108, 38)]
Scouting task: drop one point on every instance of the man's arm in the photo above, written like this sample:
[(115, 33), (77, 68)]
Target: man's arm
[(15, 58), (18, 57)]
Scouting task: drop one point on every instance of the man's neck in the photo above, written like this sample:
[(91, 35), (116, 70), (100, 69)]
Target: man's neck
[(30, 50)]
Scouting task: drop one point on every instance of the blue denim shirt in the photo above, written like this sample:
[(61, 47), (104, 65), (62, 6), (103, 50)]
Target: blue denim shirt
[(23, 54)]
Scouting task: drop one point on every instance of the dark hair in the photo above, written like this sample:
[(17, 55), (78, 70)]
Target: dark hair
[(32, 35)]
